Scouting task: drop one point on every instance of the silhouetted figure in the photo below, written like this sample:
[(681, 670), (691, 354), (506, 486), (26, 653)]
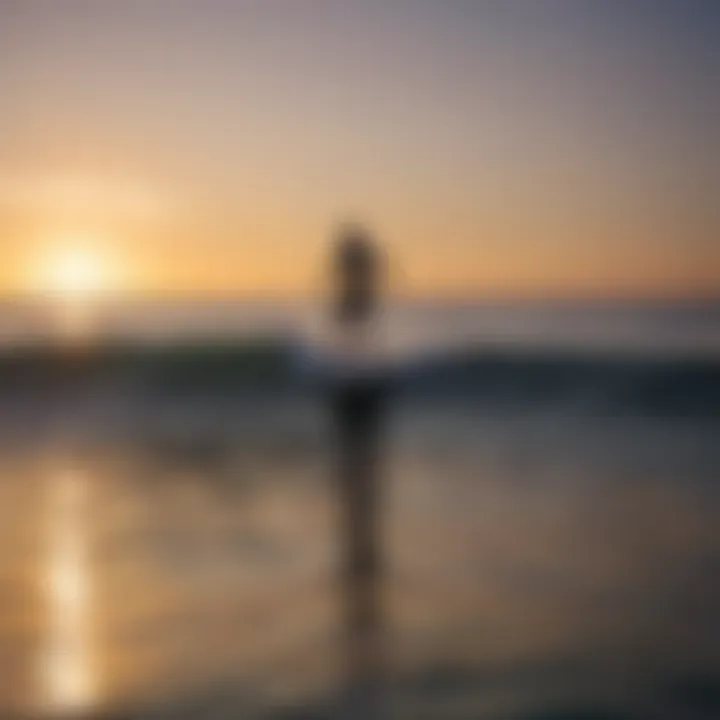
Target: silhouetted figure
[(357, 278), (358, 400)]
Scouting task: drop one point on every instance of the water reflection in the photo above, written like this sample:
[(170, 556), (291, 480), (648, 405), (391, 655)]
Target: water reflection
[(518, 574), (67, 678)]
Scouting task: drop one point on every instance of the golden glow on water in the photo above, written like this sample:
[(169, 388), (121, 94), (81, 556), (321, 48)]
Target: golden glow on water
[(66, 663)]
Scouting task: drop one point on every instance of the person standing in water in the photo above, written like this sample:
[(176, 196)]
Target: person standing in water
[(358, 398)]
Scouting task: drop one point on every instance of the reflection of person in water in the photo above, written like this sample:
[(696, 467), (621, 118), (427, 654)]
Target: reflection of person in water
[(358, 401)]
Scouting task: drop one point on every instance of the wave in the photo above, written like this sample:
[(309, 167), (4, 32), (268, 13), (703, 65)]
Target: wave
[(509, 377), (607, 382)]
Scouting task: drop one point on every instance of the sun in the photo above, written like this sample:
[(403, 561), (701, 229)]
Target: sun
[(79, 278), (74, 273)]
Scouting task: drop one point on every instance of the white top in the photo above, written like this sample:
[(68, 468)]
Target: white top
[(352, 350)]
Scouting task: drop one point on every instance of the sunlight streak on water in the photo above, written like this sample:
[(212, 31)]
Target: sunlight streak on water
[(67, 678)]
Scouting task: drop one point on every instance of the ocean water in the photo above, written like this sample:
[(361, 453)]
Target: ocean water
[(690, 327), (170, 518)]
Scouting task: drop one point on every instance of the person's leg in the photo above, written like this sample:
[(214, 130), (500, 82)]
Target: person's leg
[(358, 415)]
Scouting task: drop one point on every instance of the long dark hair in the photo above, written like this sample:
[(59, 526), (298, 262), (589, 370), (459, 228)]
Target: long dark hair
[(357, 275)]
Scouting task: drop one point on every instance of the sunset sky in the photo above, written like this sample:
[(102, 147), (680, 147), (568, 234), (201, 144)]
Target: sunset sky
[(498, 148)]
